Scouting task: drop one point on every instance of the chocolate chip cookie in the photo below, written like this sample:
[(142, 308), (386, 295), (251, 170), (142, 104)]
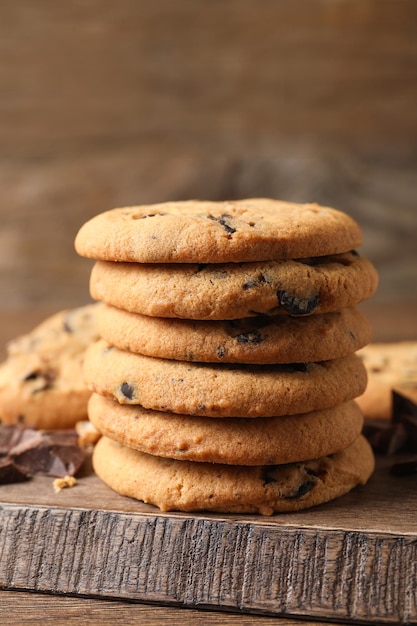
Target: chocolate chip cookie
[(262, 339), (174, 485), (391, 367), (235, 291), (195, 231), (235, 441), (41, 381), (220, 390)]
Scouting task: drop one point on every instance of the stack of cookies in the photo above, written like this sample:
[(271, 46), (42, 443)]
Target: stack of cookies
[(225, 374)]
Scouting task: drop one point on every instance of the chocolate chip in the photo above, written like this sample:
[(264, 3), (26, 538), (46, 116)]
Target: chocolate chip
[(32, 376), (47, 376), (254, 282), (143, 217), (304, 488), (254, 337), (296, 305), (222, 221), (127, 390), (220, 351)]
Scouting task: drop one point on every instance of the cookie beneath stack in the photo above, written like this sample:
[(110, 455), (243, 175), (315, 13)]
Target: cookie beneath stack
[(391, 367), (41, 380), (226, 366)]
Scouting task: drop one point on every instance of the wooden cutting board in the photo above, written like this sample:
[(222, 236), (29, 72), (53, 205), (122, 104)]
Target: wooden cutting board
[(354, 559)]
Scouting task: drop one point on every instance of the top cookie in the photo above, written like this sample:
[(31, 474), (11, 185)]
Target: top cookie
[(193, 231)]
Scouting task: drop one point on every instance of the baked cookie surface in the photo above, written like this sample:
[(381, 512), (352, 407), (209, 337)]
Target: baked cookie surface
[(220, 390), (217, 232), (187, 486), (235, 291), (390, 366), (279, 339), (236, 441), (41, 381)]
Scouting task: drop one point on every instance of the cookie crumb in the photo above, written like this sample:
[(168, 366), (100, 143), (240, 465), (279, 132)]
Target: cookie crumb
[(64, 483), (88, 435)]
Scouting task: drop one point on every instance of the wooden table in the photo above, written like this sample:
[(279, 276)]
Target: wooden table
[(371, 531)]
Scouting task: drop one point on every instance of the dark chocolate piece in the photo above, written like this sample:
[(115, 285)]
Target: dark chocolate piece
[(254, 337), (55, 453), (404, 468), (295, 305), (127, 390), (222, 221), (11, 473), (302, 490), (254, 282)]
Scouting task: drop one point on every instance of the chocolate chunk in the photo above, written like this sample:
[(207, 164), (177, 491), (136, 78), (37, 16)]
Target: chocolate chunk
[(294, 305), (45, 377), (26, 451), (11, 473), (11, 436), (254, 282), (222, 221), (143, 217), (254, 337), (127, 390), (221, 351), (55, 453), (404, 468), (302, 490)]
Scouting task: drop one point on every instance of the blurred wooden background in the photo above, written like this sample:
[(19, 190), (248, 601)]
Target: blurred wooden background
[(106, 104)]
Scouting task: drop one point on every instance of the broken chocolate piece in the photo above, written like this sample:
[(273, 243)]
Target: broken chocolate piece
[(29, 451), (404, 468), (55, 453), (11, 473)]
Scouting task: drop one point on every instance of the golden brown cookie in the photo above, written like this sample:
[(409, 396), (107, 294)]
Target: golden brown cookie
[(279, 339), (41, 381), (175, 485), (235, 291), (220, 390), (390, 366), (236, 441), (193, 231)]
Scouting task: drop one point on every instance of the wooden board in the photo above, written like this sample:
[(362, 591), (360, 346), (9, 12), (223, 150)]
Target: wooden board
[(353, 559)]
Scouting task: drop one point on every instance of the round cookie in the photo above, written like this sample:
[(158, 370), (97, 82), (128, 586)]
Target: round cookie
[(390, 366), (41, 381), (195, 231), (220, 390), (279, 339), (235, 291), (175, 485), (236, 441)]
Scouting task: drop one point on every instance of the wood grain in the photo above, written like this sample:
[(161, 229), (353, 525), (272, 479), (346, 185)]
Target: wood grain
[(23, 608), (352, 559)]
